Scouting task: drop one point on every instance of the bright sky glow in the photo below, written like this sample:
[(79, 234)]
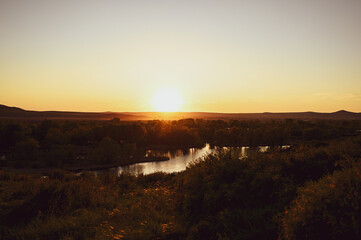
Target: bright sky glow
[(167, 100), (222, 56)]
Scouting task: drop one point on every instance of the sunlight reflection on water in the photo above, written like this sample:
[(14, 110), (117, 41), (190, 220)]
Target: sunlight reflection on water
[(178, 160)]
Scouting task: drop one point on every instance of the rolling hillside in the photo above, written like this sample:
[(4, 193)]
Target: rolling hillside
[(7, 112)]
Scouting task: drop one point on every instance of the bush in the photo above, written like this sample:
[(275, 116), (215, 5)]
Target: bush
[(223, 196), (326, 209)]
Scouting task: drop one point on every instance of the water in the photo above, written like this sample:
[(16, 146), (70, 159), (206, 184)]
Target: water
[(178, 160)]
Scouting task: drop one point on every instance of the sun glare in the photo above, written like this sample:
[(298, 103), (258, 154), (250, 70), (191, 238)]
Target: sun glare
[(167, 100)]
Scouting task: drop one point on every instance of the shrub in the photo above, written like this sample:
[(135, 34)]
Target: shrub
[(326, 209)]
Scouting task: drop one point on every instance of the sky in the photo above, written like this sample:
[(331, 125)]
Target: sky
[(219, 56)]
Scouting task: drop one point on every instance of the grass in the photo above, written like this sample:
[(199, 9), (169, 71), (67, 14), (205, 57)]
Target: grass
[(87, 207)]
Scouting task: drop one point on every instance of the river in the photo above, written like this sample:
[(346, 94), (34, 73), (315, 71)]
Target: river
[(178, 160)]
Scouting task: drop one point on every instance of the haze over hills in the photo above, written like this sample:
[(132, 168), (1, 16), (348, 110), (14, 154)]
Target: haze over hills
[(7, 112)]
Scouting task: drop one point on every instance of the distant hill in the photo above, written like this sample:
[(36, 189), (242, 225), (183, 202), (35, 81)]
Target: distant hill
[(18, 113)]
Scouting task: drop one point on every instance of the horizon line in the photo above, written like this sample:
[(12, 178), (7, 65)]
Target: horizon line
[(209, 112)]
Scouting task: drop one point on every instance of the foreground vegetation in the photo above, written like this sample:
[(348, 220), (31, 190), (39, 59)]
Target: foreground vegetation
[(65, 206), (309, 191)]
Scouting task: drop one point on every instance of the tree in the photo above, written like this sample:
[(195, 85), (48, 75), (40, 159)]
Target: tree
[(27, 149), (107, 151)]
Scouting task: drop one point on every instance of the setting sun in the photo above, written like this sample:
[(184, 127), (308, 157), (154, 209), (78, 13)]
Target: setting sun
[(167, 100)]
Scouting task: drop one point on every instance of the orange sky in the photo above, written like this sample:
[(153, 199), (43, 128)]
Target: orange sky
[(220, 56)]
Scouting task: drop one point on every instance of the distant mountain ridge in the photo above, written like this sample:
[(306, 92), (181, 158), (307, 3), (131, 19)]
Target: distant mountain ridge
[(7, 112), (19, 113)]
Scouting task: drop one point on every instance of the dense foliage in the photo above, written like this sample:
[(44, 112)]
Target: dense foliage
[(311, 190), (79, 143), (326, 209), (224, 197), (66, 206)]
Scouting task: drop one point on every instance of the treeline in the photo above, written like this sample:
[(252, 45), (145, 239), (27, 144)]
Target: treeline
[(68, 143), (309, 191)]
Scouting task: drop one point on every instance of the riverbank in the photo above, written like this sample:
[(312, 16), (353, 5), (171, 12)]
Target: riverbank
[(82, 168), (96, 167)]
